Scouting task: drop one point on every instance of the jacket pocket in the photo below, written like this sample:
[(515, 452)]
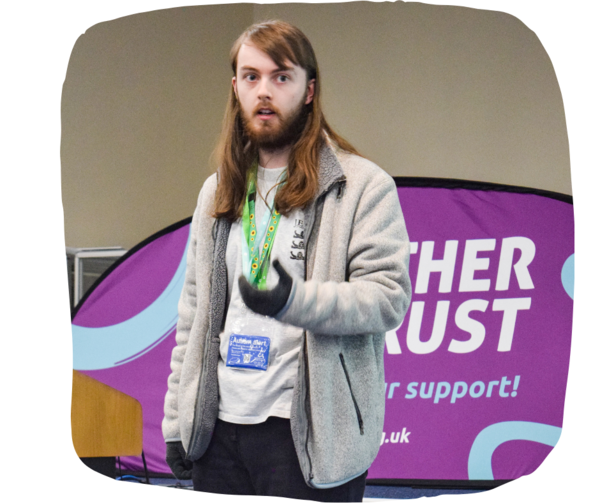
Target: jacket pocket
[(358, 414)]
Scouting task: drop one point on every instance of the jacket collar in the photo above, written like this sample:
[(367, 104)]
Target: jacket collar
[(330, 169)]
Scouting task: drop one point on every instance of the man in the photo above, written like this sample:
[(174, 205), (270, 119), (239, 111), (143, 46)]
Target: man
[(277, 384)]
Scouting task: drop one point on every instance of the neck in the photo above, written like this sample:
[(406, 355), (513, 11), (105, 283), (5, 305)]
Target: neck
[(276, 158)]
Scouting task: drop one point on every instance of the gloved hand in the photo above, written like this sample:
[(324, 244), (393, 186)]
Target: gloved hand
[(181, 467), (267, 302)]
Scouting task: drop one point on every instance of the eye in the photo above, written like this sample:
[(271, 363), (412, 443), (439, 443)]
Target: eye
[(282, 78), (250, 77)]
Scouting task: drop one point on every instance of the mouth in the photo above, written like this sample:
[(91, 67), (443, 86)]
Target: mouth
[(265, 113)]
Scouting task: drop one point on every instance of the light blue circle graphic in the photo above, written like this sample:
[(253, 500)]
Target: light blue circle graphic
[(567, 275), (111, 346), (488, 440)]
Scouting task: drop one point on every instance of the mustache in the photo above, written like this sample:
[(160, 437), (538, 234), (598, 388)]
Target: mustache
[(265, 105)]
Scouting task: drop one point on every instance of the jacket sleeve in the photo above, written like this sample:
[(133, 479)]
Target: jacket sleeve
[(377, 294), (186, 311)]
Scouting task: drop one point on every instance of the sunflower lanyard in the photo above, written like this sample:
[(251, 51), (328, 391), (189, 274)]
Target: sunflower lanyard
[(256, 260)]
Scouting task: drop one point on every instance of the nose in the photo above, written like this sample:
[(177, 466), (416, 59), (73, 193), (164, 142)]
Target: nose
[(264, 89)]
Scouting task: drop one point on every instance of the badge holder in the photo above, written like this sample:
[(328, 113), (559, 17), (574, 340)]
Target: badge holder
[(249, 345)]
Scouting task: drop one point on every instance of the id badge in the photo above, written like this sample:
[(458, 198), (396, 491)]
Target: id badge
[(250, 352)]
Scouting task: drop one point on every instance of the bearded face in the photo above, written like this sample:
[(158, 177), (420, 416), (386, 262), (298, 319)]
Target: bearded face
[(273, 98), (268, 128)]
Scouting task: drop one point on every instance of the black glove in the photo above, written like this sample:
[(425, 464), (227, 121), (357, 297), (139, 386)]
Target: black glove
[(181, 467), (267, 302)]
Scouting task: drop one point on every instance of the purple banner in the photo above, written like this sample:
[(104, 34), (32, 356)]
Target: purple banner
[(475, 375)]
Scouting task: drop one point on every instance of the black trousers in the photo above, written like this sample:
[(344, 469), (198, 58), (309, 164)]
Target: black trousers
[(260, 459)]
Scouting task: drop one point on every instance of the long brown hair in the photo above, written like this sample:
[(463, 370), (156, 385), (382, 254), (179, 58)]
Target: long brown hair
[(234, 154)]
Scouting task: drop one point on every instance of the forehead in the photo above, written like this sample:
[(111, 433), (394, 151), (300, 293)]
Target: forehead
[(250, 56)]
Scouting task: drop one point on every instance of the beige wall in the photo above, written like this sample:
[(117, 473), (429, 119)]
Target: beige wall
[(142, 106), (422, 90)]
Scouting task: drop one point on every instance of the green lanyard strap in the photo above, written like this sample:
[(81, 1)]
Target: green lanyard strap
[(259, 258)]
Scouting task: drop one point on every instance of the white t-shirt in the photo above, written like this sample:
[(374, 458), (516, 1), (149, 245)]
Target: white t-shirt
[(251, 396)]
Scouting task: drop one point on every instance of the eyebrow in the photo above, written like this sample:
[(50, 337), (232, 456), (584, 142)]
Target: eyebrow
[(279, 69)]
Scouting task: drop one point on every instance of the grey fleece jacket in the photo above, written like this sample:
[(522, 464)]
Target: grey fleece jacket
[(356, 287)]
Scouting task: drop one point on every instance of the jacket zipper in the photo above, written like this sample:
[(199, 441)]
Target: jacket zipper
[(306, 398), (358, 414), (340, 183), (207, 341), (306, 377), (200, 385)]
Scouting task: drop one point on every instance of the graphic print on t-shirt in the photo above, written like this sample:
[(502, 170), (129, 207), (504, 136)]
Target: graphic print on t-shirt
[(297, 251)]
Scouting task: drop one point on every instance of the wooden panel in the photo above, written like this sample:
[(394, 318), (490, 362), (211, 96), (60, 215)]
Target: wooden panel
[(104, 421)]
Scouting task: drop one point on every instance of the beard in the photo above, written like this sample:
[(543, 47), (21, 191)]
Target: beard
[(273, 135)]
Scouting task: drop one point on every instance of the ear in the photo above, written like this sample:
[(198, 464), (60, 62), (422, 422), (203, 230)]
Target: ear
[(234, 84), (310, 92)]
